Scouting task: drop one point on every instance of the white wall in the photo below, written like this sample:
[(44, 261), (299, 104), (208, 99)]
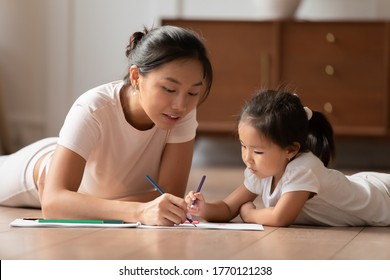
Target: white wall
[(51, 51), (344, 9), (308, 9), (22, 72)]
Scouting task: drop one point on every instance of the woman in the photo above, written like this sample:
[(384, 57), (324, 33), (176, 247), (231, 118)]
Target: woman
[(117, 133)]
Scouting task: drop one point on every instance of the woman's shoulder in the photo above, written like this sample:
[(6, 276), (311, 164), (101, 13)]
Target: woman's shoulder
[(101, 95)]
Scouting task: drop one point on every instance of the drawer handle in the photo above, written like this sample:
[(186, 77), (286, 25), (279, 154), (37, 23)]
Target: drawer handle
[(328, 107), (330, 37), (329, 70)]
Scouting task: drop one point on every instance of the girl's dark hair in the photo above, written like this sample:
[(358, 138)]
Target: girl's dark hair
[(152, 48), (280, 116)]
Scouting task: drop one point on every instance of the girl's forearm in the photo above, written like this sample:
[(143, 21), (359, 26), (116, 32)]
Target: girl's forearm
[(264, 216), (284, 213), (217, 211)]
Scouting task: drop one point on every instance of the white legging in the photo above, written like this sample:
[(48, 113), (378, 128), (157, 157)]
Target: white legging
[(17, 187)]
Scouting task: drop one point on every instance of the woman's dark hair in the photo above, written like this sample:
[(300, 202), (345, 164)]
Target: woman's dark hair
[(152, 48), (280, 116)]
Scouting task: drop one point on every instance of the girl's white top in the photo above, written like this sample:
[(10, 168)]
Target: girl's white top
[(339, 200)]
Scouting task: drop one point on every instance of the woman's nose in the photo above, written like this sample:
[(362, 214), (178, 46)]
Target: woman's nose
[(179, 103)]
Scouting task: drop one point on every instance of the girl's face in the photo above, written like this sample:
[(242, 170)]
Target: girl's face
[(261, 156), (168, 93)]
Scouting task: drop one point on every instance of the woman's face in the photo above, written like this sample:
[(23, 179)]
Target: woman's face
[(168, 93)]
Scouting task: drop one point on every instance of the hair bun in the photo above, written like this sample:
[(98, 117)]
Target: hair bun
[(134, 40)]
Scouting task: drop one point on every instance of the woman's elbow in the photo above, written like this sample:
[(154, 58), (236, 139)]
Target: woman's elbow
[(48, 208), (50, 205)]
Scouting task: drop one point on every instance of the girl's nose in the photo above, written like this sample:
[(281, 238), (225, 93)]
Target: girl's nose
[(246, 156)]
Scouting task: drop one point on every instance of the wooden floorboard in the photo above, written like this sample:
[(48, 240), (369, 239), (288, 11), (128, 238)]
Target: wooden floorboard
[(301, 243), (372, 243), (274, 243)]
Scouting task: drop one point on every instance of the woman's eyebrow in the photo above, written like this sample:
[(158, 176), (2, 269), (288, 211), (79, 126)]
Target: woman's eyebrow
[(173, 80)]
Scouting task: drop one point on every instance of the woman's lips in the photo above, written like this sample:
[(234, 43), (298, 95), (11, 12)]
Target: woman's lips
[(172, 118)]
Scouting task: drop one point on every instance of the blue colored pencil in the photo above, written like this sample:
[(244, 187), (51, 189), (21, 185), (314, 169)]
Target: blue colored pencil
[(157, 187)]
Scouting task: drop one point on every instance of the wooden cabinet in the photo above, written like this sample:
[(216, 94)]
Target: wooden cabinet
[(338, 68)]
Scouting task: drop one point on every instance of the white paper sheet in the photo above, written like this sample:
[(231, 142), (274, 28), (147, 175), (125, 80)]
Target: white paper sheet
[(199, 225)]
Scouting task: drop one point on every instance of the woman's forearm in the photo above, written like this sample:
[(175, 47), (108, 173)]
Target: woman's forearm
[(72, 205), (144, 197)]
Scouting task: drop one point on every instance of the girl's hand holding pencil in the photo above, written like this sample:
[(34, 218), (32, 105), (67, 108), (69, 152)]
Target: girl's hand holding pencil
[(195, 200)]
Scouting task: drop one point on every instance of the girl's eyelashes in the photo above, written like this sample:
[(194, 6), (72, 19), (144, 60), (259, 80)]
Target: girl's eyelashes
[(255, 152)]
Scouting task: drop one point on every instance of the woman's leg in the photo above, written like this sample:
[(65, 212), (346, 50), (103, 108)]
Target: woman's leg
[(17, 186)]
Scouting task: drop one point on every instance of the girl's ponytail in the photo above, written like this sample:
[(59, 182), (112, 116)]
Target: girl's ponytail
[(320, 139)]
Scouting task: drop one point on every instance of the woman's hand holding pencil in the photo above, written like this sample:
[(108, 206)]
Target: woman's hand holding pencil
[(194, 200), (165, 210), (178, 208)]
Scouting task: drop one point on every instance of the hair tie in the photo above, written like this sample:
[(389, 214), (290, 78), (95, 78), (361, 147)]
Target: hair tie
[(309, 112)]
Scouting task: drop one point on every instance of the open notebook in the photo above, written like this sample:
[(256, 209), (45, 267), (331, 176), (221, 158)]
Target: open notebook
[(117, 224)]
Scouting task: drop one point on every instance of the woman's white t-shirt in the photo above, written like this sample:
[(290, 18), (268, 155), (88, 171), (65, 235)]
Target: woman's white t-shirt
[(340, 200), (118, 155)]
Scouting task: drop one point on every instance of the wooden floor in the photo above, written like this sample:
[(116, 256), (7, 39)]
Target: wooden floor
[(298, 243), (274, 243)]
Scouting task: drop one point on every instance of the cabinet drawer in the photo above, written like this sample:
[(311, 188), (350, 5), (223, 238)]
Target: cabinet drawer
[(339, 69), (353, 53), (350, 113)]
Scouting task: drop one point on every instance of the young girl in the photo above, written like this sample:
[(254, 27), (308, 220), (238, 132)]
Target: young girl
[(116, 134), (286, 148)]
